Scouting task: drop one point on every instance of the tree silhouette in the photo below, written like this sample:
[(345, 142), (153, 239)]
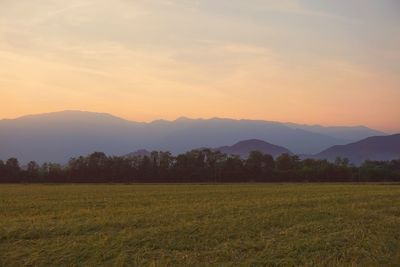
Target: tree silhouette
[(199, 165)]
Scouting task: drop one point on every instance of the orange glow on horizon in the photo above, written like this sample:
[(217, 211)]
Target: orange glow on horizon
[(152, 60)]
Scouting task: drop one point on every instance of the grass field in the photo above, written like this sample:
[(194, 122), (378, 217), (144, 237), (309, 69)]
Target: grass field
[(200, 225)]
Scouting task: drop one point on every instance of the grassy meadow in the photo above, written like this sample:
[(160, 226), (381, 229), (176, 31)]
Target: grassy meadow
[(200, 225)]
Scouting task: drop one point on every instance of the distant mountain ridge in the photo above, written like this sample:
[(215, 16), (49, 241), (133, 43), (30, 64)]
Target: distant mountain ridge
[(371, 148), (354, 133), (138, 153), (59, 136), (243, 148)]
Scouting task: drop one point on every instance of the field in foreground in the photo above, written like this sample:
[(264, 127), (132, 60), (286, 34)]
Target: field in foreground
[(200, 225)]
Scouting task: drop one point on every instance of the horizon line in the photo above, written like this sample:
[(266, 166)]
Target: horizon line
[(183, 117)]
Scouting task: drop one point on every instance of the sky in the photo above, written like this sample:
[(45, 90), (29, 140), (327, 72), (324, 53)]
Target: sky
[(303, 61)]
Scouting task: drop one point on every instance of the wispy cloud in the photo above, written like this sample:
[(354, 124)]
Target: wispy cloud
[(296, 7), (59, 11), (244, 58)]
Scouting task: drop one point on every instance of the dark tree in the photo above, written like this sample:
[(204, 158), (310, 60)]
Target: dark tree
[(254, 165), (200, 165), (2, 171), (286, 162), (12, 170), (32, 171)]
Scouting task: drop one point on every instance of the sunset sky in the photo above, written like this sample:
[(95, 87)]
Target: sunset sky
[(303, 61)]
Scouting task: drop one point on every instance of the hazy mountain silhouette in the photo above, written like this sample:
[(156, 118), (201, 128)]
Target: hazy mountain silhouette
[(243, 148), (348, 133), (139, 153), (371, 148), (58, 136)]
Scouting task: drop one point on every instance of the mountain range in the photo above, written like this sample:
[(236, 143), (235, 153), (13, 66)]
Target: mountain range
[(371, 148), (59, 136), (243, 148), (380, 148)]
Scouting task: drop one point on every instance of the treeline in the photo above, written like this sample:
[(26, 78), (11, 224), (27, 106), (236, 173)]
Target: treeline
[(203, 165)]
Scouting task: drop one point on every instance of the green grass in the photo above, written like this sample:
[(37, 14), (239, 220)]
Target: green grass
[(200, 225)]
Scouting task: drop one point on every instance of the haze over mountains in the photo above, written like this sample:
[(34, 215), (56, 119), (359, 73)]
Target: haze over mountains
[(243, 148), (58, 136), (371, 148)]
